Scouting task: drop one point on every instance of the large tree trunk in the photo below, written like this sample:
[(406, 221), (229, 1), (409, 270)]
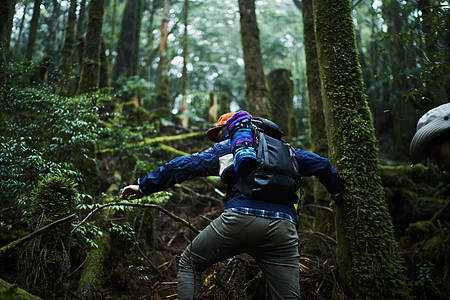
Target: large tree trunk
[(184, 102), (324, 221), (255, 82), (163, 100), (90, 69), (33, 30), (67, 52), (6, 13), (281, 89), (128, 43), (370, 266)]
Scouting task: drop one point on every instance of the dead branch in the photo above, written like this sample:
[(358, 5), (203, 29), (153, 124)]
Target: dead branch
[(35, 233), (143, 205)]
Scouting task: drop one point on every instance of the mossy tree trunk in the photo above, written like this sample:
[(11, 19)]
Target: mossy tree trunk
[(163, 100), (184, 102), (33, 30), (281, 93), (67, 52), (92, 275), (255, 82), (128, 43), (90, 70), (324, 221), (46, 260), (370, 266)]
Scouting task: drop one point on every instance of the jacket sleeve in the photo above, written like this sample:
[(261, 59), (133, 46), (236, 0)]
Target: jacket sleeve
[(180, 169), (312, 164)]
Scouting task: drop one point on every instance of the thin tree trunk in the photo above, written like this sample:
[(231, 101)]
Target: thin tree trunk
[(67, 52), (256, 89), (184, 103), (33, 30), (324, 221), (22, 22), (163, 100), (90, 69), (149, 48), (51, 28), (370, 266)]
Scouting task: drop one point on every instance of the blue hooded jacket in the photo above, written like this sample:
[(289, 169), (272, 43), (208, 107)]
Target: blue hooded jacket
[(218, 158)]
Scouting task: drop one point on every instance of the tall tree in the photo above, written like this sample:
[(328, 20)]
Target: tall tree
[(256, 88), (184, 102), (33, 30), (370, 266), (149, 47), (318, 135), (22, 22), (128, 43), (6, 13), (90, 69), (163, 99), (436, 84), (67, 52)]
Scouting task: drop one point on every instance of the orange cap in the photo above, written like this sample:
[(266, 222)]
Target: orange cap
[(212, 133)]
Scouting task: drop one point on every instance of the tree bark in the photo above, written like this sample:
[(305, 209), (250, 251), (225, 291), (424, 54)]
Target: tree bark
[(163, 99), (90, 69), (370, 266), (128, 43), (255, 82), (33, 30), (324, 221), (67, 52), (6, 13), (281, 89), (22, 22)]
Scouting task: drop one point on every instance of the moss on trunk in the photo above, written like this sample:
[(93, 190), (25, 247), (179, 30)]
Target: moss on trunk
[(93, 271), (90, 70), (370, 266), (13, 292), (45, 264)]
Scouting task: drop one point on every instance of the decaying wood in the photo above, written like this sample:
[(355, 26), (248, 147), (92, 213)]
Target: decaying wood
[(12, 291), (35, 233)]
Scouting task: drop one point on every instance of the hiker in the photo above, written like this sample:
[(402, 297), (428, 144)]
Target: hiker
[(432, 137), (260, 219)]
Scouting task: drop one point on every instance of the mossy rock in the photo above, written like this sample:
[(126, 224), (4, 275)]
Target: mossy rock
[(421, 229)]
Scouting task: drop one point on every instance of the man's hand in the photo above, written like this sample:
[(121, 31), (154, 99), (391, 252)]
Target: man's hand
[(131, 192)]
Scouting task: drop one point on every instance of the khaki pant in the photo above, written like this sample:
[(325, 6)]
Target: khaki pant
[(271, 242)]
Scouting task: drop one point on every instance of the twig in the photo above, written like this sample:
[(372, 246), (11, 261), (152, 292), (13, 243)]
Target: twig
[(198, 194), (143, 205), (35, 233)]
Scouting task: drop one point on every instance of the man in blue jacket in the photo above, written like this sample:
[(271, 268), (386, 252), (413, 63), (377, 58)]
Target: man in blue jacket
[(266, 230)]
